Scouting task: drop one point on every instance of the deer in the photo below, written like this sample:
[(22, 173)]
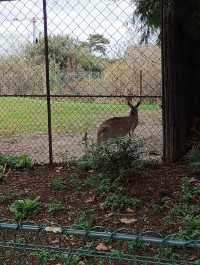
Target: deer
[(119, 126)]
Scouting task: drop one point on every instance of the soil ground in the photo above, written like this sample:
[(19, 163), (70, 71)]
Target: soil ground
[(151, 186), (158, 187)]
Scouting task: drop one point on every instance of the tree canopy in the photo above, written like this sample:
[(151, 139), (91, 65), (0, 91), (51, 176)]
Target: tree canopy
[(62, 48), (149, 14), (97, 42)]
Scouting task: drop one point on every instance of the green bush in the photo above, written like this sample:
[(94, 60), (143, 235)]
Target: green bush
[(119, 202), (193, 159), (90, 63), (23, 208), (191, 227), (113, 156), (188, 190), (75, 183), (83, 221), (16, 162), (55, 206), (57, 184), (7, 197), (102, 183), (49, 257), (3, 175)]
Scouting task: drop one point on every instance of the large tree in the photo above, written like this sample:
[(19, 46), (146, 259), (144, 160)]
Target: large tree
[(61, 49), (148, 14), (97, 43)]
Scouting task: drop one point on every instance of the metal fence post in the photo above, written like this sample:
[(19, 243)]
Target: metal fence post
[(47, 81), (163, 73)]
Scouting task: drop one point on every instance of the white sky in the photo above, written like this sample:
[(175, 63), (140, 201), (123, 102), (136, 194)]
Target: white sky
[(77, 18)]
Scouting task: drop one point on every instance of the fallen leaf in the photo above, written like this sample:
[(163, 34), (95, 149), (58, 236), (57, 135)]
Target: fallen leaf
[(56, 241), (128, 220), (192, 258), (81, 263), (102, 247), (192, 180), (129, 210), (54, 229), (109, 215), (90, 199), (101, 205), (59, 169)]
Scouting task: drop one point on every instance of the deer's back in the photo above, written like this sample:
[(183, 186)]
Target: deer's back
[(116, 127)]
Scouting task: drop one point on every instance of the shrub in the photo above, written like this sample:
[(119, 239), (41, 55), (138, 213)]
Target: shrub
[(7, 197), (57, 184), (16, 162), (20, 76), (84, 221), (103, 184), (3, 175), (23, 208), (191, 227), (113, 156), (55, 206), (75, 182), (186, 190), (119, 202), (193, 159), (48, 257)]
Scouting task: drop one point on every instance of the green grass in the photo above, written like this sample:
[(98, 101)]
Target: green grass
[(25, 115)]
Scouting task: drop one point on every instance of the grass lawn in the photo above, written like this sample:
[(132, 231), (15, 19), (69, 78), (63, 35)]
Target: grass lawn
[(25, 115)]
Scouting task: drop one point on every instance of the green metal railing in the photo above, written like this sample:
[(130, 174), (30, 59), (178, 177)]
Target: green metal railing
[(51, 244)]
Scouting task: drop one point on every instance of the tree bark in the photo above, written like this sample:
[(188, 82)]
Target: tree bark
[(181, 78)]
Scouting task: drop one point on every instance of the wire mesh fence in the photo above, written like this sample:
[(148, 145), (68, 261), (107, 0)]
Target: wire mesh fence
[(95, 62), (53, 244)]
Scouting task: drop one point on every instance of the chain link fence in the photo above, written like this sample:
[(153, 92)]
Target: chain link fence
[(52, 245), (95, 62)]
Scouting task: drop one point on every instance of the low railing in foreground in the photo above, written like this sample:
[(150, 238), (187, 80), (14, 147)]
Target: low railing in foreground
[(33, 244)]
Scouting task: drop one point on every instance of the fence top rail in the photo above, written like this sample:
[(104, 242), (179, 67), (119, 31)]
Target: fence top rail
[(99, 232), (82, 96)]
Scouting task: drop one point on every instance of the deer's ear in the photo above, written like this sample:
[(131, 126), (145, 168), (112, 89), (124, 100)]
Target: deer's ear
[(138, 104), (129, 103)]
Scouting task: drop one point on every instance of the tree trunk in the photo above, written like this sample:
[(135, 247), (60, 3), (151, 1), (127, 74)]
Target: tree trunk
[(181, 78)]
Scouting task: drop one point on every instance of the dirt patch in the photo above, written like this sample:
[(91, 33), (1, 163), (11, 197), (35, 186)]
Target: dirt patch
[(158, 189), (71, 145), (150, 186), (66, 146)]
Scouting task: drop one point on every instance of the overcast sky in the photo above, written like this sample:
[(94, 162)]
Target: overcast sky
[(77, 18)]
